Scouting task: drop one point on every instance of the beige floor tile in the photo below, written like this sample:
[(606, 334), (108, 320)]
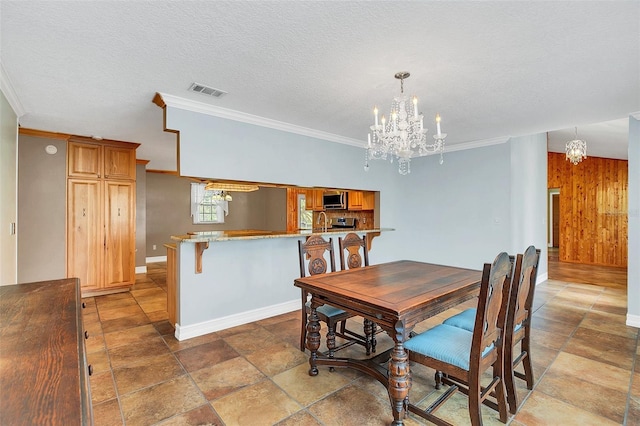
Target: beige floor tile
[(598, 373), (307, 389), (102, 388), (147, 371), (125, 355), (301, 418), (95, 342), (352, 406), (107, 414), (125, 322), (226, 377), (248, 342), (609, 323), (540, 409), (596, 398), (119, 312), (99, 361), (600, 346), (157, 315), (276, 358), (260, 404), (131, 335), (200, 416), (159, 402), (176, 345), (205, 355)]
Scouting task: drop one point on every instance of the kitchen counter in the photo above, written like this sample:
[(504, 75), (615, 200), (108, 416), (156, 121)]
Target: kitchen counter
[(228, 278), (255, 234)]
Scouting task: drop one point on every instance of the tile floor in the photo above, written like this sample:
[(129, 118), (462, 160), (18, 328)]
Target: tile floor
[(586, 363)]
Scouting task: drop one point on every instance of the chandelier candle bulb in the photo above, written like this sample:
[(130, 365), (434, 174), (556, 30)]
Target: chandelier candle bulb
[(375, 113), (438, 124), (415, 106)]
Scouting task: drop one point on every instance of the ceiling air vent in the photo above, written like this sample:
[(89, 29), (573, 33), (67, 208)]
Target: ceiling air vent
[(205, 90)]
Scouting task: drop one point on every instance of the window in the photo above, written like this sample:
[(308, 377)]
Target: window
[(305, 217), (208, 206)]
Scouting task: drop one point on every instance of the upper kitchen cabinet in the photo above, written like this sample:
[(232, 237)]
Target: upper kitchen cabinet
[(91, 159), (361, 200), (101, 199), (314, 199)]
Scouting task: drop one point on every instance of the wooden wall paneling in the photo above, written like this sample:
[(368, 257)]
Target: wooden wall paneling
[(593, 209)]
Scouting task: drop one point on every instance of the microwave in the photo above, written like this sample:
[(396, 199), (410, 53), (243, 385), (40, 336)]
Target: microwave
[(335, 200)]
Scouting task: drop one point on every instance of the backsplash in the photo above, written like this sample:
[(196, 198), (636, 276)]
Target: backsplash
[(364, 218)]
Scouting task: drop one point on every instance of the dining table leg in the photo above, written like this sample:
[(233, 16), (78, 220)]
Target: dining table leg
[(313, 339), (399, 376)]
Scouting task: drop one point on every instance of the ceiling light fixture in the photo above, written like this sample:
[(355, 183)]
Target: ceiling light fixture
[(576, 150), (231, 187), (404, 136)]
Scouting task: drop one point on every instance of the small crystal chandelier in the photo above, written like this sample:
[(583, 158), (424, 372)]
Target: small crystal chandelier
[(576, 150), (404, 136)]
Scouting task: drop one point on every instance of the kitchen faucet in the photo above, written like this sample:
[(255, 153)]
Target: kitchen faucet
[(325, 220)]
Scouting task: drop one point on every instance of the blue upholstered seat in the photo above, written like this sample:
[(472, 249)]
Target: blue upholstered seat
[(445, 343), (464, 320), (327, 310)]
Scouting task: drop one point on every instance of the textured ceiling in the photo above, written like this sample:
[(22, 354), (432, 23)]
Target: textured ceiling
[(491, 69)]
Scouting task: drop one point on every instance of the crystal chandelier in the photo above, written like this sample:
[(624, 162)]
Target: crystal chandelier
[(576, 150), (404, 135)]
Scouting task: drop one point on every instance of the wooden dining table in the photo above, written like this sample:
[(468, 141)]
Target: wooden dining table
[(396, 296)]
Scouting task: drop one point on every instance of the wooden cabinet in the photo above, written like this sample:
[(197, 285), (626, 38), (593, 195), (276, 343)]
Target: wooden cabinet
[(355, 200), (44, 378), (314, 200), (361, 200), (101, 197), (368, 200)]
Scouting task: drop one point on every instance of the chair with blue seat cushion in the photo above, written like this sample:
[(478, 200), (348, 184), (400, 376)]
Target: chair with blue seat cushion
[(316, 257), (357, 256), (518, 319), (466, 355)]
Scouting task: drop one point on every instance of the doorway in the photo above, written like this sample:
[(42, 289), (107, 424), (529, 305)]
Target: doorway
[(554, 219)]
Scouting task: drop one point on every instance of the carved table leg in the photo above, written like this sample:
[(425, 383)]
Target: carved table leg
[(369, 336), (399, 377), (313, 339)]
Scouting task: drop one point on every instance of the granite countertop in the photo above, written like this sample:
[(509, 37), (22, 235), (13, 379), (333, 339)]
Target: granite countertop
[(256, 234)]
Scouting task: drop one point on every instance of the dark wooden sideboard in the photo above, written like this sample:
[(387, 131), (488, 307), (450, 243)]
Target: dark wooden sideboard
[(43, 366)]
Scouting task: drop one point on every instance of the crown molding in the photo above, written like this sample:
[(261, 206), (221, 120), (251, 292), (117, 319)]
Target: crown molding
[(202, 108), (635, 115), (7, 88), (476, 144)]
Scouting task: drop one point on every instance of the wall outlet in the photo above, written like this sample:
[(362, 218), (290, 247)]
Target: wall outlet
[(154, 246)]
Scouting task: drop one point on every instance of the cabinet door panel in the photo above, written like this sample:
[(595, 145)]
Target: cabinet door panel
[(83, 160), (84, 236), (119, 163), (120, 233)]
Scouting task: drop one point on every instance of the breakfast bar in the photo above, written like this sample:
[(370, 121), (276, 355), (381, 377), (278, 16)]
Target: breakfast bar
[(229, 278)]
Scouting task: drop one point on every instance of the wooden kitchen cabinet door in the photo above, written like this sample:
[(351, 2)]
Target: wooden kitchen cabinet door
[(84, 160), (119, 163), (119, 264), (84, 232), (368, 200), (355, 200)]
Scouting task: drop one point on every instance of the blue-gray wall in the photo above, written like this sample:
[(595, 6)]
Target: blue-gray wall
[(459, 213)]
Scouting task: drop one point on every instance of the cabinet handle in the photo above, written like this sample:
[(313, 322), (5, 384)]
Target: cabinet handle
[(84, 212), (90, 369), (118, 211), (84, 305), (86, 334)]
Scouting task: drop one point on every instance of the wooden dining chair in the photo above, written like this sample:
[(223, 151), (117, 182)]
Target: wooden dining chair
[(519, 312), (352, 245), (317, 257), (464, 355)]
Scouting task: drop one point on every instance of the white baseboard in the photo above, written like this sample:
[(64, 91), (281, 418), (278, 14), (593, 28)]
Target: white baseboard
[(633, 320), (195, 330), (542, 278), (141, 269), (156, 259)]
